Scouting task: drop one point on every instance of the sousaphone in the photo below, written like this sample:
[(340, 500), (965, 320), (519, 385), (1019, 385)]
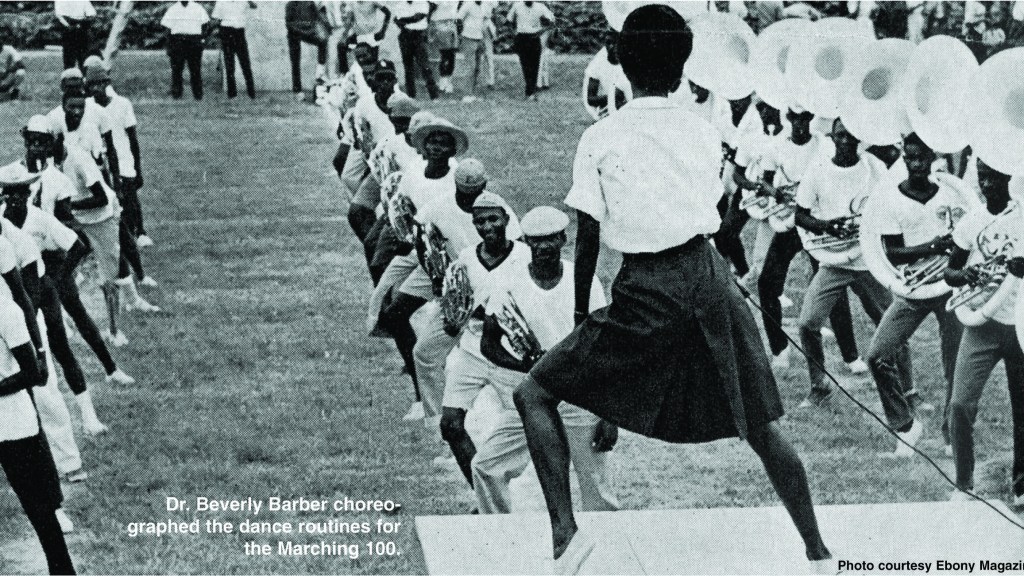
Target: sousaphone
[(922, 279), (937, 90), (769, 59), (996, 112), (871, 106), (819, 64), (722, 44), (616, 11)]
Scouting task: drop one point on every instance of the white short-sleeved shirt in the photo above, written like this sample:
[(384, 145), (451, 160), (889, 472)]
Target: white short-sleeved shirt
[(609, 76), (649, 175), (17, 413), (528, 17), (445, 11), (421, 190), (53, 186), (8, 259), (480, 281), (918, 223), (89, 134), (231, 13), (83, 172), (457, 226), (731, 134), (474, 18), (986, 235), (405, 9), (828, 191), (367, 17), (790, 160), (372, 124), (120, 117), (25, 248), (74, 9), (48, 233), (549, 313), (181, 19)]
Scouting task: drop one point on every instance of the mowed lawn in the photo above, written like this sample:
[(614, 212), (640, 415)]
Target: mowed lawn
[(259, 379)]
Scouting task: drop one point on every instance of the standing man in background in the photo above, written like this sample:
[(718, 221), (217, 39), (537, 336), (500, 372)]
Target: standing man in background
[(185, 21), (75, 18), (232, 16), (476, 22), (12, 73), (444, 35), (531, 18), (304, 24), (411, 18)]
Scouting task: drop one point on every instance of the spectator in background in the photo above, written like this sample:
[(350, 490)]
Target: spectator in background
[(444, 35), (12, 73), (1002, 31), (306, 23), (185, 21), (762, 14), (476, 24), (530, 18), (411, 18), (232, 15), (368, 17), (75, 17), (337, 41), (943, 18)]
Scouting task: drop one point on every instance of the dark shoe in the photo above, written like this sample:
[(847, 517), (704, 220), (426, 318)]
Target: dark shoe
[(817, 397)]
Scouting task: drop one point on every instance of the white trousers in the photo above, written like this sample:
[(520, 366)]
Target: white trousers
[(54, 415)]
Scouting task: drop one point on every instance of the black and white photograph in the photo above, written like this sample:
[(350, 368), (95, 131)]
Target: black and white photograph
[(511, 287)]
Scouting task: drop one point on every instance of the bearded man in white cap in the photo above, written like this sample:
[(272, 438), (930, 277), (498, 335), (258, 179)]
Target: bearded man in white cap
[(541, 288)]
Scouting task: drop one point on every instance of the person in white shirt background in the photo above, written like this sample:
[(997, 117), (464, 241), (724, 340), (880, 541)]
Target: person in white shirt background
[(185, 19), (477, 44), (232, 15), (75, 17), (531, 19), (411, 18), (444, 37)]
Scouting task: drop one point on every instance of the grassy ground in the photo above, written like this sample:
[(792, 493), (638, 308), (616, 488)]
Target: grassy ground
[(259, 380)]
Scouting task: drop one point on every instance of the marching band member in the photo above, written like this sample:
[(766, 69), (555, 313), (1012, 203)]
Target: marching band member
[(466, 370), (986, 233), (825, 197), (607, 88), (24, 454), (785, 165), (676, 356), (911, 230), (735, 120), (344, 95), (53, 196), (541, 288)]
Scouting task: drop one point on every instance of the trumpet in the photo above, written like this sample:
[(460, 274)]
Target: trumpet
[(991, 274), (846, 238), (457, 297), (519, 334)]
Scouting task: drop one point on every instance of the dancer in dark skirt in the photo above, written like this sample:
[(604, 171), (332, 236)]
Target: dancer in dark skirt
[(677, 355)]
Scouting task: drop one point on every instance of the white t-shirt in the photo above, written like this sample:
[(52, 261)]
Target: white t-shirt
[(8, 260), (181, 19), (74, 9), (17, 413), (791, 161), (480, 281), (121, 116), (53, 186), (405, 9), (25, 248), (89, 134), (474, 18), (986, 235), (367, 17), (549, 313), (83, 172), (231, 13), (371, 123), (609, 76), (649, 175), (829, 191), (421, 190), (917, 222), (48, 233), (445, 11), (528, 18), (457, 226)]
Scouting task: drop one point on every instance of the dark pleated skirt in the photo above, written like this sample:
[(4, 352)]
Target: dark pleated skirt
[(676, 356)]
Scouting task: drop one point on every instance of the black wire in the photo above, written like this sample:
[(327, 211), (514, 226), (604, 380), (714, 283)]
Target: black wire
[(882, 422)]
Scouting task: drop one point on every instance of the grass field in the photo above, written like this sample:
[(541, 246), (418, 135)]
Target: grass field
[(259, 380)]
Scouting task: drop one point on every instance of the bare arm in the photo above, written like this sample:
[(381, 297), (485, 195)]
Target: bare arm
[(133, 144), (97, 200), (22, 299), (28, 374), (588, 244), (900, 254), (491, 348)]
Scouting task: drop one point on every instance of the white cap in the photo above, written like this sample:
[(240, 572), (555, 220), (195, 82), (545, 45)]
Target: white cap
[(40, 124), (544, 221)]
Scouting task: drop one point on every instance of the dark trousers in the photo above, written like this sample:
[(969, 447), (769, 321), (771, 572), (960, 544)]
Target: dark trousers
[(387, 248), (72, 302), (413, 45), (295, 41), (128, 194), (771, 284), (232, 41), (528, 48), (185, 49), (131, 260), (446, 67), (30, 471), (75, 41), (57, 336), (728, 239)]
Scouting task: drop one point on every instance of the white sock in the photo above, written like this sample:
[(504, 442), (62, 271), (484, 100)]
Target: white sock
[(85, 405)]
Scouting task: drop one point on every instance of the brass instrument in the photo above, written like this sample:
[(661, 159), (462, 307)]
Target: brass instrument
[(401, 212), (991, 274), (519, 334), (930, 270), (457, 297), (435, 257), (841, 247)]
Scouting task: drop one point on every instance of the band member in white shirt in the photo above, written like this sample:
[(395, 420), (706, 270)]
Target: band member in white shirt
[(75, 18), (677, 355), (185, 20)]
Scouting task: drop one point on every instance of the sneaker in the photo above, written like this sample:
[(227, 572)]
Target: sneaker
[(66, 525), (76, 476), (143, 241), (817, 397), (858, 366), (94, 427), (148, 282), (119, 377), (415, 412), (827, 333), (141, 305), (910, 437), (782, 360), (1018, 501), (785, 302), (827, 566), (948, 451), (468, 99), (445, 460), (116, 340), (575, 556)]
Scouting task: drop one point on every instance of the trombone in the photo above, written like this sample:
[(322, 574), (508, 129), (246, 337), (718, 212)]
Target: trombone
[(991, 274)]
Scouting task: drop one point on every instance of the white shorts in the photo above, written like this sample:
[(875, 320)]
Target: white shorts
[(466, 375)]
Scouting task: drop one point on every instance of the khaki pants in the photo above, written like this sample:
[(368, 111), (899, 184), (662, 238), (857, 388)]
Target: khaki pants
[(54, 416)]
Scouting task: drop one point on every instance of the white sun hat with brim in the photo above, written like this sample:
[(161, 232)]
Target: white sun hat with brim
[(440, 125), (16, 174)]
